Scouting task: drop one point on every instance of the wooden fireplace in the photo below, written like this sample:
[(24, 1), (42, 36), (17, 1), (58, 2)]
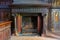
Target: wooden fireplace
[(33, 13)]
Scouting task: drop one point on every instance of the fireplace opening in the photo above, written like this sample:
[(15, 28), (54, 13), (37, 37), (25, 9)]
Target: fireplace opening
[(31, 25), (34, 21)]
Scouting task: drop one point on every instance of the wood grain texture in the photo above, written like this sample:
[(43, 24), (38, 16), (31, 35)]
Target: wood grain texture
[(4, 24)]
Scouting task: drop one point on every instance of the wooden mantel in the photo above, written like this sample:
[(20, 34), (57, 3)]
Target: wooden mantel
[(29, 5)]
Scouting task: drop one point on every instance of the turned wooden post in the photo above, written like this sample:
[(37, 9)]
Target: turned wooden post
[(38, 24), (19, 23)]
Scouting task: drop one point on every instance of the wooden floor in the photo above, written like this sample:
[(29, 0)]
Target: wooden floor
[(30, 38)]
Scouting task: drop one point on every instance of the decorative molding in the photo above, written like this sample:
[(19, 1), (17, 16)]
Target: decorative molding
[(31, 10)]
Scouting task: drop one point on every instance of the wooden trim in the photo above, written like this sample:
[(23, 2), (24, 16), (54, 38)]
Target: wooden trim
[(4, 24)]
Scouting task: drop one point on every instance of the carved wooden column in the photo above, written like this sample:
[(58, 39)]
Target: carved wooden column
[(38, 24), (19, 23)]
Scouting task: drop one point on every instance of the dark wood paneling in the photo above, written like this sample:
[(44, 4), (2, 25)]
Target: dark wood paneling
[(4, 15), (6, 0)]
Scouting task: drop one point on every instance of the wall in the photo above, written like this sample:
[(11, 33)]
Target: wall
[(4, 9)]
